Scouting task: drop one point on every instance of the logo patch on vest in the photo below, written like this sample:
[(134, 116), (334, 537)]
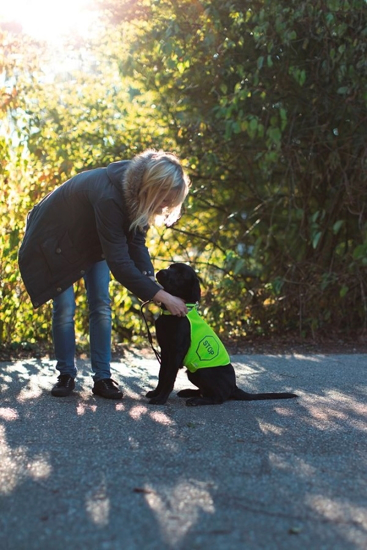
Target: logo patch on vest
[(208, 348)]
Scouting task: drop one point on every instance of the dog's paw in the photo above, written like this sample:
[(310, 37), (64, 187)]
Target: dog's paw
[(188, 393), (194, 402), (200, 401), (152, 393), (158, 401)]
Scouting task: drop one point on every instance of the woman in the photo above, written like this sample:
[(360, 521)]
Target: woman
[(95, 223)]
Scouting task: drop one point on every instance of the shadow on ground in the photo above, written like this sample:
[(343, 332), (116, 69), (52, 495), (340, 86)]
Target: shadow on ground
[(91, 473)]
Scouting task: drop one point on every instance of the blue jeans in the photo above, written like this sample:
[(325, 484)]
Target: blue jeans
[(97, 279)]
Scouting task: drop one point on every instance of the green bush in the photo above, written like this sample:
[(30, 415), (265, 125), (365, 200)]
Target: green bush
[(265, 102)]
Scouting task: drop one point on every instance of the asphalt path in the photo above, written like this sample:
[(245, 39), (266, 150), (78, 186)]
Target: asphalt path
[(83, 472)]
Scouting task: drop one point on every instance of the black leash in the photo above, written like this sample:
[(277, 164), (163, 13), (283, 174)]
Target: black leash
[(157, 354)]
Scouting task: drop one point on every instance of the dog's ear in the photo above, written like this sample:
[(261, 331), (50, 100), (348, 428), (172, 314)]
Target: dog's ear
[(195, 290)]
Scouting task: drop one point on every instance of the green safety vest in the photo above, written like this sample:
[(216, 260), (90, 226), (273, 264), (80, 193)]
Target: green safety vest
[(206, 349)]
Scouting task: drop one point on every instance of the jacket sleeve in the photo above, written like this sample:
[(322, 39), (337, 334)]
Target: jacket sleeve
[(126, 261), (139, 253)]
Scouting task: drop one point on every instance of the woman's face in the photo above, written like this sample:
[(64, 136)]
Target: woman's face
[(164, 203)]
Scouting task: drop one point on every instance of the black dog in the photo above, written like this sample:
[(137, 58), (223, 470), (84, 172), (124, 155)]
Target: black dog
[(216, 382)]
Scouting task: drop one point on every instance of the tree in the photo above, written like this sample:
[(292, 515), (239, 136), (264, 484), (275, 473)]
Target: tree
[(267, 101), (50, 137)]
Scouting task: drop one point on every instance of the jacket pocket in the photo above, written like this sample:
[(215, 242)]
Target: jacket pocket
[(59, 252)]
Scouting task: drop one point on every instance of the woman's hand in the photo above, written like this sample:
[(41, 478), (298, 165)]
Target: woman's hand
[(175, 305)]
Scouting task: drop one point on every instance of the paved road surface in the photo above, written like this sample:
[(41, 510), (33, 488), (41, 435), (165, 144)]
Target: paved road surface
[(82, 472)]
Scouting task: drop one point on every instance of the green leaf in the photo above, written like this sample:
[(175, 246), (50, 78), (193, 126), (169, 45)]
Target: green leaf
[(283, 118), (360, 252), (343, 291), (239, 265), (236, 127), (337, 225), (302, 77), (277, 285), (253, 124), (275, 135), (316, 239)]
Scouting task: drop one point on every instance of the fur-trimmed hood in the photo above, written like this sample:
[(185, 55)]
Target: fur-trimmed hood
[(131, 181), (127, 176)]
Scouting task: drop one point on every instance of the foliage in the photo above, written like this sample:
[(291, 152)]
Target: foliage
[(48, 138), (265, 102)]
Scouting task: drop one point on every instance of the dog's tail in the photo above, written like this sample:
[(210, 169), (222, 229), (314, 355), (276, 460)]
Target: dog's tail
[(240, 395)]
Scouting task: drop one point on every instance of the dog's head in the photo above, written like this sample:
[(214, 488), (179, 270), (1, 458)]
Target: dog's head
[(180, 280)]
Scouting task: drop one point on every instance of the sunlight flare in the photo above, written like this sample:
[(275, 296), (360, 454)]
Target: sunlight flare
[(50, 21)]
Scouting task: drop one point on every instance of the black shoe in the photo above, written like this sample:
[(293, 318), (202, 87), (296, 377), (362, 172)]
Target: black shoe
[(64, 386), (107, 388)]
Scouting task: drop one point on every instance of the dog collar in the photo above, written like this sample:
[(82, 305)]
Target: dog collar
[(189, 307)]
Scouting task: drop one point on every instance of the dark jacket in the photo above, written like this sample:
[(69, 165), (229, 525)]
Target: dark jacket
[(84, 221)]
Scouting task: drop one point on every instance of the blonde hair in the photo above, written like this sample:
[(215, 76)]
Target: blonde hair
[(162, 179)]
